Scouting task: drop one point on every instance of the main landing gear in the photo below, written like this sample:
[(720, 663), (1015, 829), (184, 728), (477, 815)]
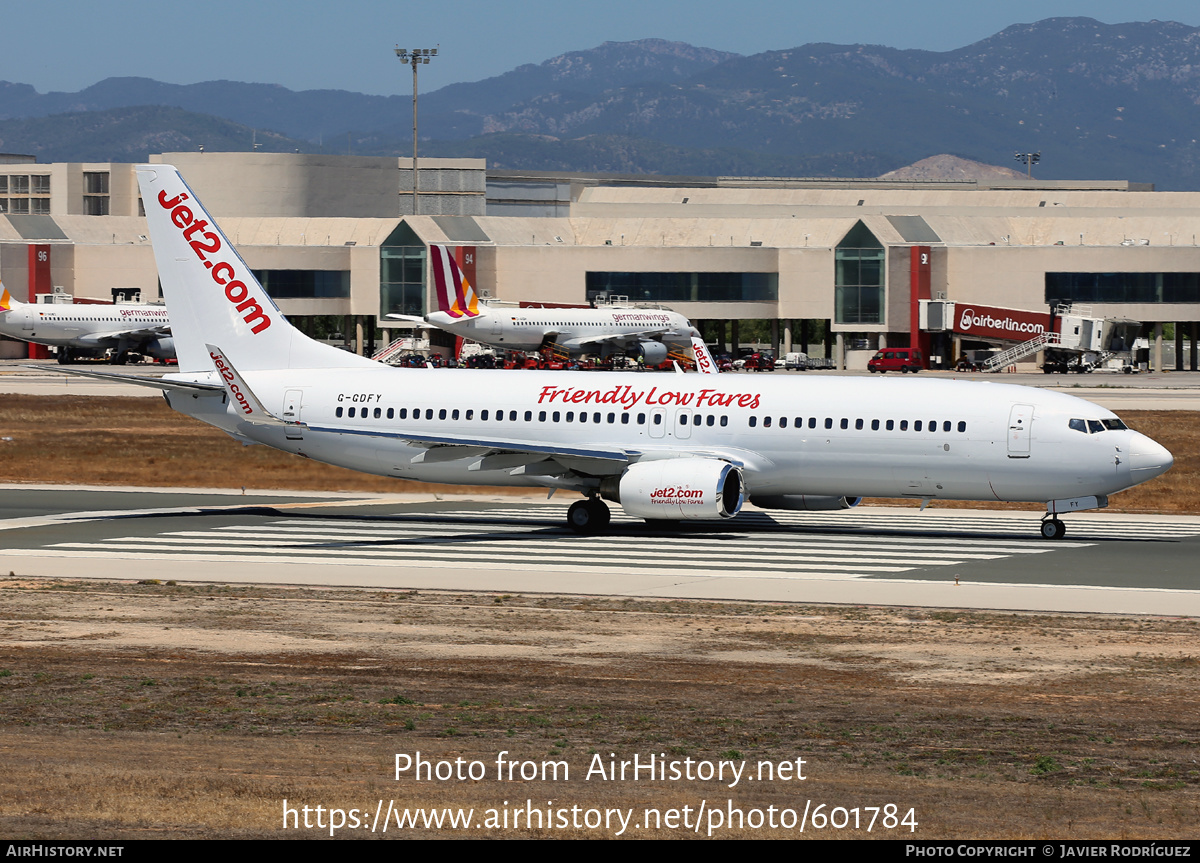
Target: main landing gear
[(589, 516), (1052, 528)]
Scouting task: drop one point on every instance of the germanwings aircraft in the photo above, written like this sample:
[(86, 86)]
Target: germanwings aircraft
[(664, 446), (87, 330), (648, 333)]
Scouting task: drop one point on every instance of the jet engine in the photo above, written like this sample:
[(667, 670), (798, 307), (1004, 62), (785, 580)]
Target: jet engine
[(161, 348), (652, 353), (678, 488), (808, 502)]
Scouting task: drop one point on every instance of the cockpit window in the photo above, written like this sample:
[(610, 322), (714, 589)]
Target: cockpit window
[(1096, 426)]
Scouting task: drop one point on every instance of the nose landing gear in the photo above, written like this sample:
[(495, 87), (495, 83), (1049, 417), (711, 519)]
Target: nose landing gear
[(1053, 528)]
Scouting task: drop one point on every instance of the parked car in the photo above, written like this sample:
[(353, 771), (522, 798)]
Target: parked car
[(761, 361), (903, 360)]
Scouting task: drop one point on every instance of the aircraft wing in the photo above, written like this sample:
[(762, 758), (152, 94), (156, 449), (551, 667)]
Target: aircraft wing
[(612, 338), (552, 465), (114, 337), (142, 331), (137, 380), (412, 319), (467, 446)]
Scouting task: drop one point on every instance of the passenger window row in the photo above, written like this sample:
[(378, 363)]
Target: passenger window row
[(499, 416), (859, 424), (697, 419)]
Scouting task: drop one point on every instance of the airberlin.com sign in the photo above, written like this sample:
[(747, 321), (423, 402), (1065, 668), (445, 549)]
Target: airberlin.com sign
[(989, 322)]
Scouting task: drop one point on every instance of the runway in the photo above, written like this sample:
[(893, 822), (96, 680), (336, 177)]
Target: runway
[(939, 558)]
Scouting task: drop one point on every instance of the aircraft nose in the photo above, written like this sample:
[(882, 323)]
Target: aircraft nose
[(1148, 458)]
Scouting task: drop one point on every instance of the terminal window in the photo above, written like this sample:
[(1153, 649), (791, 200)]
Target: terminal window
[(685, 287), (858, 278), (402, 273), (1122, 288), (95, 182), (305, 284)]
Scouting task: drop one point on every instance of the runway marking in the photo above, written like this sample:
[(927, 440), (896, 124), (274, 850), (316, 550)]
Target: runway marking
[(532, 538), (1023, 524)]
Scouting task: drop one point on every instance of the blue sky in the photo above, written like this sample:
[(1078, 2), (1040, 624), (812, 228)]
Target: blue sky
[(70, 44)]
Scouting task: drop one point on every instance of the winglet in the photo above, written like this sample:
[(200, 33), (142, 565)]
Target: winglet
[(6, 300), (704, 360), (240, 394)]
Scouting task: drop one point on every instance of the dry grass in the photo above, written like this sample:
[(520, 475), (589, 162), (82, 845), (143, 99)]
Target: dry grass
[(142, 442), (989, 725), (88, 440)]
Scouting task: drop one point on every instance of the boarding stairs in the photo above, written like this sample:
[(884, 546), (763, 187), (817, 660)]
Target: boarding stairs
[(391, 351), (685, 358), (1018, 352)]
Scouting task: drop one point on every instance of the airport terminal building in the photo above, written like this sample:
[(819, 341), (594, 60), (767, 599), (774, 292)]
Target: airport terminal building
[(838, 267)]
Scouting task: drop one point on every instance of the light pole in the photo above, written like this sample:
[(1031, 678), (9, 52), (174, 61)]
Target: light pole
[(415, 58), (1030, 159)]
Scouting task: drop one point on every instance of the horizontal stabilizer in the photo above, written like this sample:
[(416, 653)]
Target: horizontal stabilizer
[(139, 380)]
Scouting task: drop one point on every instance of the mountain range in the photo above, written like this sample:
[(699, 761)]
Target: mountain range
[(1098, 101)]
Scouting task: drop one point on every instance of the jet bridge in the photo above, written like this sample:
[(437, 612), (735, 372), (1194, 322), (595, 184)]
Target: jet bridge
[(1072, 337)]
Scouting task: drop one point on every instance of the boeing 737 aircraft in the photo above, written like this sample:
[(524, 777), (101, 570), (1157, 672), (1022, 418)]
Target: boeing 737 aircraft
[(647, 333), (89, 330), (664, 446)]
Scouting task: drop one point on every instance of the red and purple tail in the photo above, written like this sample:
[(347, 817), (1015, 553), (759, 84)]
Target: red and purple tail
[(455, 296)]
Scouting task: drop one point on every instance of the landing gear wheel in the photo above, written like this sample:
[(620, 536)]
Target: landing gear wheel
[(588, 516), (1052, 528)]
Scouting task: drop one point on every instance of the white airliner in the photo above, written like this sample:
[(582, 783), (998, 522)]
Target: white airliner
[(89, 330), (647, 333), (664, 446)]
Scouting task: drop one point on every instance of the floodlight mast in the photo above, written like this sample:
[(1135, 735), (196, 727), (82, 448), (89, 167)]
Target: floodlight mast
[(1030, 159), (415, 58)]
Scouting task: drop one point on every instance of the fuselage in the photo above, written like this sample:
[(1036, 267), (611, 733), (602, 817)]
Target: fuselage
[(580, 330), (827, 436), (84, 325)]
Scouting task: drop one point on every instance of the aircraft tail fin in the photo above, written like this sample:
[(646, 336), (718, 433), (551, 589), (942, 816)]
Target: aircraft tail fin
[(704, 361), (7, 303), (213, 296), (455, 296)]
